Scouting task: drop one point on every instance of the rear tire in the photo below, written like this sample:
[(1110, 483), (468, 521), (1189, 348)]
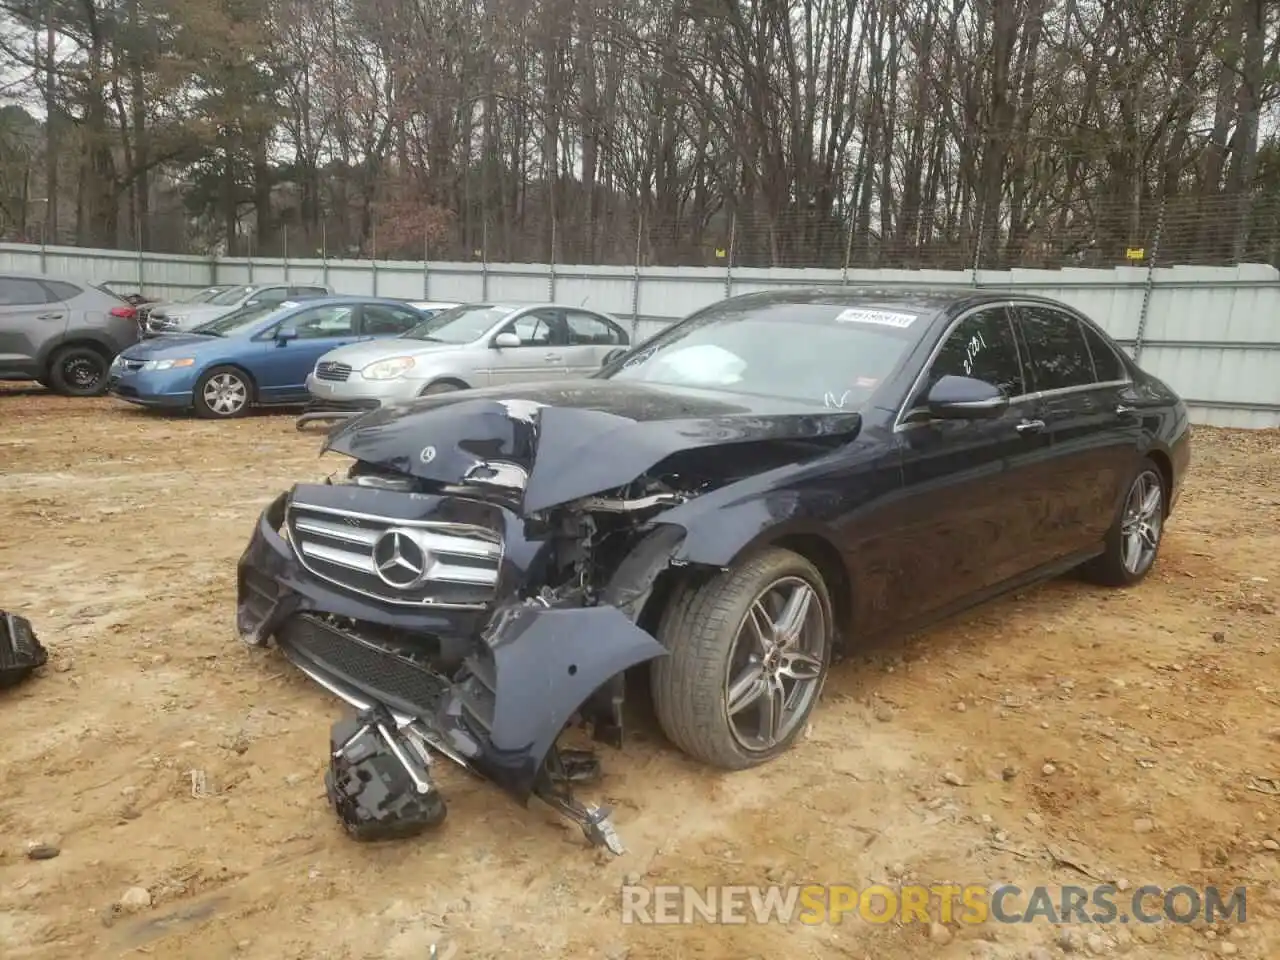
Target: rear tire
[(749, 653), (223, 393), (1133, 542), (79, 371)]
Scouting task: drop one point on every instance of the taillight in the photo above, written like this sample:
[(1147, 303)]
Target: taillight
[(124, 313)]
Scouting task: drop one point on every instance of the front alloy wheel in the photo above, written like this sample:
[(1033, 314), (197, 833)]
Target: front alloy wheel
[(749, 652), (223, 393), (775, 664)]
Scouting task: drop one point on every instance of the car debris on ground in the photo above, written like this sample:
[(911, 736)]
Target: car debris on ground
[(21, 653)]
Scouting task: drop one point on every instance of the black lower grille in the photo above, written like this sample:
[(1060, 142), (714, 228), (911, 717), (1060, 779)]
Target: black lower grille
[(372, 669)]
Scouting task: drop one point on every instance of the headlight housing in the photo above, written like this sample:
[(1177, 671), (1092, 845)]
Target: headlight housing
[(168, 364), (387, 369)]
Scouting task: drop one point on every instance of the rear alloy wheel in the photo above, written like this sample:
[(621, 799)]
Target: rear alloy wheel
[(223, 393), (78, 372), (1133, 542), (749, 653)]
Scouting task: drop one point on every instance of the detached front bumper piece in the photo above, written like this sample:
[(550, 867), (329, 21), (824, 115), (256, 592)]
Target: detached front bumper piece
[(527, 671), (21, 653)]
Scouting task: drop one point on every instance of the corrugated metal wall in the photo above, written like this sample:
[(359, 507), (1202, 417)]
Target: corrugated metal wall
[(1212, 332)]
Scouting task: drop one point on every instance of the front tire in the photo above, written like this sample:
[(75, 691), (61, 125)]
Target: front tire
[(223, 393), (1133, 542), (79, 372), (749, 653)]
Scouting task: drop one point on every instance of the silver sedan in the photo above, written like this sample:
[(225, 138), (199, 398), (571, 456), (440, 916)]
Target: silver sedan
[(472, 345)]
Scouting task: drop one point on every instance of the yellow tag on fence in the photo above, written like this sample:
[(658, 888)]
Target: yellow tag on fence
[(1135, 253)]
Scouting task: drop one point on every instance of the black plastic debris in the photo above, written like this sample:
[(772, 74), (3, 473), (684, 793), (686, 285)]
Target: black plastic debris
[(378, 788), (21, 653)]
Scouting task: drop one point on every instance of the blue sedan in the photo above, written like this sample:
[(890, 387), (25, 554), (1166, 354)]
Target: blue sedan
[(258, 355)]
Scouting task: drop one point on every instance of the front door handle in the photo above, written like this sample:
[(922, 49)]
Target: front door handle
[(1030, 426), (553, 358), (50, 316)]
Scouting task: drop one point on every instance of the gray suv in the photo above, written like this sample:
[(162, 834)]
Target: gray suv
[(61, 333)]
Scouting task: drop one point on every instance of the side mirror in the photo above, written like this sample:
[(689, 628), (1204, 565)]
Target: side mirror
[(612, 355), (285, 334), (506, 339), (964, 398)]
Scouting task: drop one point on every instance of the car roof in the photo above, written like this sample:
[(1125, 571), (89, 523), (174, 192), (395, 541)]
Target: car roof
[(312, 299), (919, 297), (542, 305), (27, 275)]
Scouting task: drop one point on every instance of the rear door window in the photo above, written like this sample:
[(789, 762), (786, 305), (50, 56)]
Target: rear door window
[(1058, 356)]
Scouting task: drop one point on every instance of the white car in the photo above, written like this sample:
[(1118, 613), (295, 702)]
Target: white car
[(472, 345)]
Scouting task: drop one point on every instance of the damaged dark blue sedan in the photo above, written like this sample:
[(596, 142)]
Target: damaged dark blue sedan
[(731, 504)]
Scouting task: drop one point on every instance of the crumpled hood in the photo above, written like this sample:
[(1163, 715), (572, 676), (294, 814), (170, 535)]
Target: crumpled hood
[(574, 438)]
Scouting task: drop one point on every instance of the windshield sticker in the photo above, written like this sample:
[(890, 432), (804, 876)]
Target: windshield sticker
[(882, 318)]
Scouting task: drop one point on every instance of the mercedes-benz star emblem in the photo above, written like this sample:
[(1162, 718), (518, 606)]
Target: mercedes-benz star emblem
[(399, 561), (428, 454)]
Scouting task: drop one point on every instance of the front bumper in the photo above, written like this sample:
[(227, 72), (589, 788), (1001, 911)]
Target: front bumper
[(146, 388), (490, 690), (356, 389)]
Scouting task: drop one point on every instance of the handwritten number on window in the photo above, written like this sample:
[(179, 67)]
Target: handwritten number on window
[(975, 346)]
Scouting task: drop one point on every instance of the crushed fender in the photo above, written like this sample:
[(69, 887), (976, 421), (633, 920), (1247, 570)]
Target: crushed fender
[(21, 653)]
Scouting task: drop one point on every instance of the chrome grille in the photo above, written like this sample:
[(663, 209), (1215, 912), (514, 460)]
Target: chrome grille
[(332, 371), (459, 561)]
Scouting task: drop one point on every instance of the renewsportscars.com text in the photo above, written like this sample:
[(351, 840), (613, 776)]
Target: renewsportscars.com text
[(942, 903)]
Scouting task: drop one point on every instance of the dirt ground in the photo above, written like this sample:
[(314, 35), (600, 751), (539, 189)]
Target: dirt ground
[(1061, 734)]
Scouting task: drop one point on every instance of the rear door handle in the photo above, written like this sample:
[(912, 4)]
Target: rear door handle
[(1030, 426), (553, 358), (50, 316)]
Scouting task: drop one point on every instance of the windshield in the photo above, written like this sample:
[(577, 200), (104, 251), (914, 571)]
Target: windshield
[(459, 325), (204, 296), (821, 353), (230, 296), (236, 321)]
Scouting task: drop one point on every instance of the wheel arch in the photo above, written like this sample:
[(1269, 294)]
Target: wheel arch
[(1164, 463), (76, 338), (453, 381), (700, 553)]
